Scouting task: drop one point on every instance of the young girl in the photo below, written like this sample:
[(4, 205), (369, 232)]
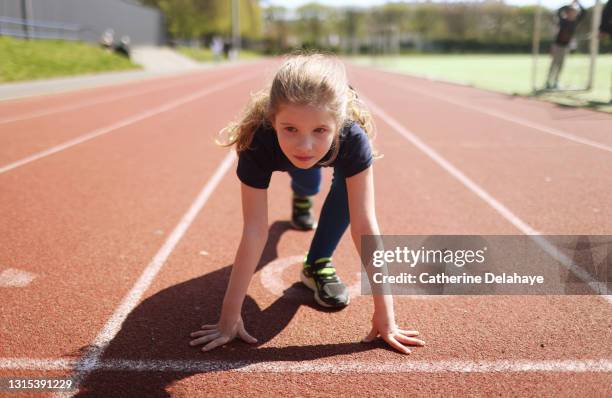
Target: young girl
[(308, 118)]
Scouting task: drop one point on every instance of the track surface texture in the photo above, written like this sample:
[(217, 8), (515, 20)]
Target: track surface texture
[(121, 217)]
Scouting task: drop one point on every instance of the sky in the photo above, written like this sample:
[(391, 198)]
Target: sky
[(367, 3)]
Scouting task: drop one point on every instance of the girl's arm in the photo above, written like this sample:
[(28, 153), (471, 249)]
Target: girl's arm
[(254, 237), (362, 212)]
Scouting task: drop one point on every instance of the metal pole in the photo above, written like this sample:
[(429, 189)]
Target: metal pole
[(236, 27), (594, 42), (31, 29), (536, 45), (25, 18)]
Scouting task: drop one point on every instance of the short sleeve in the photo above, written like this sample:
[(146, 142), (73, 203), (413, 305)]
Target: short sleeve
[(254, 167), (356, 152)]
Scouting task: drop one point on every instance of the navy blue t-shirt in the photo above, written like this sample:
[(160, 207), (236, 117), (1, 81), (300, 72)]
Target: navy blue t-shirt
[(255, 165)]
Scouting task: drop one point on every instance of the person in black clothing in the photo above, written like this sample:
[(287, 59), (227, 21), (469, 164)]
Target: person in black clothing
[(605, 29), (569, 18), (123, 47)]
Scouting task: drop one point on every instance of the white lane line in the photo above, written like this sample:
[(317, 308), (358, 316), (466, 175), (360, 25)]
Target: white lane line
[(83, 104), (12, 277), (129, 302), (510, 118), (319, 366), (126, 122), (521, 225), (428, 366), (37, 363)]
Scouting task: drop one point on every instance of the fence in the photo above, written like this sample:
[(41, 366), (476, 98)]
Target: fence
[(84, 20), (18, 27)]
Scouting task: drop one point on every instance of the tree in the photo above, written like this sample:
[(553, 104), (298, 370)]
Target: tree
[(189, 19), (313, 25), (276, 29)]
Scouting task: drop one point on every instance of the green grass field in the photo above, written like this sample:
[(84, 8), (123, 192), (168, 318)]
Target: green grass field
[(38, 59), (509, 74)]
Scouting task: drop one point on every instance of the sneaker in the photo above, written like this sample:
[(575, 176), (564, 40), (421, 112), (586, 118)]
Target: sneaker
[(301, 215), (329, 291)]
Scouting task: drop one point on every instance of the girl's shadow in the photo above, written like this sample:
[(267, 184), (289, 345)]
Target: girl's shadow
[(157, 332)]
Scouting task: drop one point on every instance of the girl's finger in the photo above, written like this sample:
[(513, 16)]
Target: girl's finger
[(205, 339), (409, 340), (203, 332), (371, 336), (216, 343), (208, 326), (245, 336), (408, 333), (397, 345)]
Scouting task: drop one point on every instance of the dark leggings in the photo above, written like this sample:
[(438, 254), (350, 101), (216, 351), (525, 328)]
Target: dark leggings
[(334, 218)]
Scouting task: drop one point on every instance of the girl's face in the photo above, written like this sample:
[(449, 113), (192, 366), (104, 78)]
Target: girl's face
[(305, 133)]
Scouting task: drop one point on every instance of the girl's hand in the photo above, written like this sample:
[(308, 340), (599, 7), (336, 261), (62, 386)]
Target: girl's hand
[(394, 336), (220, 334)]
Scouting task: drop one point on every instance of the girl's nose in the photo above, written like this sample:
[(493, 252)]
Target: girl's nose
[(305, 144)]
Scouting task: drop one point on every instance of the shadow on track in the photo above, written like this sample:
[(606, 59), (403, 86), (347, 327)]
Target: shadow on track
[(158, 330)]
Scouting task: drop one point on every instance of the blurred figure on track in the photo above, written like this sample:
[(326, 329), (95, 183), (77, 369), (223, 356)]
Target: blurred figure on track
[(308, 118), (605, 30), (569, 17)]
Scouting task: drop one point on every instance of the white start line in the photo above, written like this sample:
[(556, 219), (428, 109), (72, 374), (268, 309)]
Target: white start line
[(318, 366)]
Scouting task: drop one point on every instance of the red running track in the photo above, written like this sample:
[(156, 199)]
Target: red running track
[(89, 219)]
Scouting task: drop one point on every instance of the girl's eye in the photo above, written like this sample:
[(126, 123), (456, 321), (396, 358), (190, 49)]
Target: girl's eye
[(290, 129), (320, 130)]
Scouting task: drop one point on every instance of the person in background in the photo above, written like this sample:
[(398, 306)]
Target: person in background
[(216, 46), (107, 39), (123, 48), (227, 46), (605, 30), (605, 27), (569, 17)]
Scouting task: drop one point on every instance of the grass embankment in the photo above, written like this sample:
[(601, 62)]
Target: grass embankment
[(509, 74), (39, 59)]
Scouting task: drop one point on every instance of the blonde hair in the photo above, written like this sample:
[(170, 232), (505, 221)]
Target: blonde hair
[(303, 79)]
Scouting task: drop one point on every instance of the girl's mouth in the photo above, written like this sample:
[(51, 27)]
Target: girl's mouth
[(304, 158)]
